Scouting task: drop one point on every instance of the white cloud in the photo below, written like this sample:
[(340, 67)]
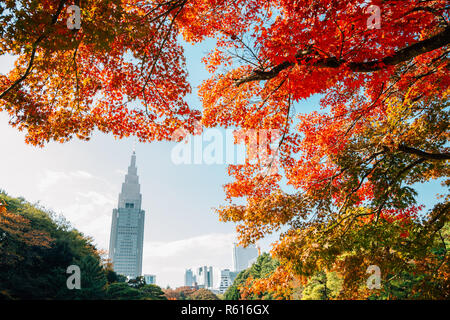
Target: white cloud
[(97, 198), (52, 177), (88, 210), (81, 174), (121, 172), (208, 242)]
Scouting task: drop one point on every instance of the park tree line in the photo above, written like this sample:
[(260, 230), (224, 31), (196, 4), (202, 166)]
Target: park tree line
[(36, 248), (328, 285)]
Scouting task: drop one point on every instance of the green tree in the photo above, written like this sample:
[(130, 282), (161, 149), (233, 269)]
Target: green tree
[(137, 282), (233, 292), (93, 279), (36, 247), (322, 286), (152, 292), (262, 268), (122, 291), (40, 271), (112, 276), (404, 285)]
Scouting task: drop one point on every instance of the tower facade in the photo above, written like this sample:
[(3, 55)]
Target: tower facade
[(226, 279), (244, 257), (127, 227), (204, 277), (189, 278)]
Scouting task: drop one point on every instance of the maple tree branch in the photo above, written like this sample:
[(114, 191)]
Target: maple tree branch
[(77, 80), (439, 40), (286, 129), (445, 253), (423, 154), (33, 51), (439, 211), (436, 12), (158, 54), (173, 5), (356, 188), (394, 181)]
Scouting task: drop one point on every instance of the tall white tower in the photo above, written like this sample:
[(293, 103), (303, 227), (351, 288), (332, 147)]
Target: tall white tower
[(127, 227)]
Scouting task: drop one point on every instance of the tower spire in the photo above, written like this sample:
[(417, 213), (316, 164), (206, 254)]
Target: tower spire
[(132, 164)]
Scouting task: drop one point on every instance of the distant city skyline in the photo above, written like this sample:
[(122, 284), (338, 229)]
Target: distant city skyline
[(242, 258)]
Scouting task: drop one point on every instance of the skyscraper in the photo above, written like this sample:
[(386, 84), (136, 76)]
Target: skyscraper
[(127, 227), (226, 279), (204, 277), (244, 257), (189, 278), (150, 279)]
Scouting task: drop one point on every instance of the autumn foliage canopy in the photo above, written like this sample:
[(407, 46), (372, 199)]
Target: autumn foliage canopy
[(350, 167)]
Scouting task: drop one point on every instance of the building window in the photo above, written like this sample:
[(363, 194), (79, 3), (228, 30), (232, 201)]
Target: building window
[(129, 205)]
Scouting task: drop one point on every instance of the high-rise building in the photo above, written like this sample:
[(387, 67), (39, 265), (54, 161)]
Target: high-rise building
[(150, 279), (244, 257), (204, 277), (127, 227), (189, 278), (226, 279)]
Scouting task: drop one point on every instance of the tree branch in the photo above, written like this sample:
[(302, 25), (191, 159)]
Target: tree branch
[(402, 55), (423, 154), (33, 51)]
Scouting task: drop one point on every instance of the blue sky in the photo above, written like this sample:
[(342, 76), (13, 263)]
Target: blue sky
[(82, 180)]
